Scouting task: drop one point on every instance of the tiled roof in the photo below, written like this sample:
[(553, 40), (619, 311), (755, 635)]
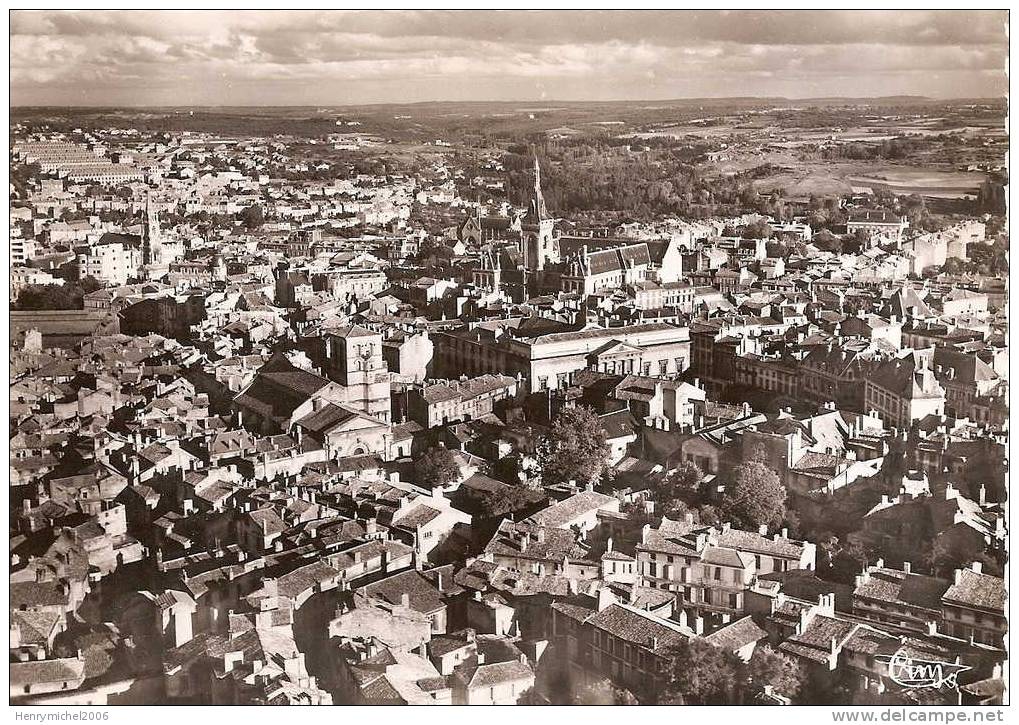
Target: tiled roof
[(70, 670), (815, 642), (557, 543), (561, 513), (497, 673), (756, 543), (724, 556), (641, 628), (977, 590), (897, 587), (737, 634), (34, 627)]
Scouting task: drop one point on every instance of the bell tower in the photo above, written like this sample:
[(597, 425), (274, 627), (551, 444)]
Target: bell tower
[(539, 243), (152, 250)]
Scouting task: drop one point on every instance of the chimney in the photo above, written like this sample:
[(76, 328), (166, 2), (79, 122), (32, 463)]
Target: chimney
[(481, 658), (698, 625), (608, 544), (907, 567), (978, 567), (405, 600), (645, 532), (762, 530), (438, 581), (958, 577)]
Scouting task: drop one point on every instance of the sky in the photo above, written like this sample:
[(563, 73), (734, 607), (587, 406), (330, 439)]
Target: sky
[(253, 58)]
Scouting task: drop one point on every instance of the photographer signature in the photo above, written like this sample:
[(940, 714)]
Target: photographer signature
[(909, 672)]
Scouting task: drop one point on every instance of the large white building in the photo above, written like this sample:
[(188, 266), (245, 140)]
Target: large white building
[(113, 262), (550, 361)]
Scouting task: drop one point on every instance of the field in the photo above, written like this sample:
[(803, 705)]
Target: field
[(801, 179), (939, 184)]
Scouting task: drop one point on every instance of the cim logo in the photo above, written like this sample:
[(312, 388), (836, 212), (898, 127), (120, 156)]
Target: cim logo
[(909, 672)]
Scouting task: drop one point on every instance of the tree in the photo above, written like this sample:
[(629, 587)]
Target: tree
[(53, 296), (531, 697), (847, 562), (947, 555), (574, 448), (682, 487), (755, 498), (603, 692), (492, 504), (991, 198), (709, 515), (828, 242), (252, 217), (90, 284), (768, 667), (758, 230), (436, 467), (702, 674)]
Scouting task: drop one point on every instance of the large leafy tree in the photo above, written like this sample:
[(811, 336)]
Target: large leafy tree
[(769, 667), (252, 217), (846, 561), (56, 297), (574, 448), (603, 692), (490, 504), (685, 483), (702, 674), (436, 467), (755, 497)]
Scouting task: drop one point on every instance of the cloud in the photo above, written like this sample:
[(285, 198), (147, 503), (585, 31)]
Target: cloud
[(280, 57)]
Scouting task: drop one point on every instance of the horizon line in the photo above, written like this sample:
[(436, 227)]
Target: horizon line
[(686, 99)]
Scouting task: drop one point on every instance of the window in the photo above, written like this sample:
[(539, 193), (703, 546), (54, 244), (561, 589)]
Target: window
[(718, 573)]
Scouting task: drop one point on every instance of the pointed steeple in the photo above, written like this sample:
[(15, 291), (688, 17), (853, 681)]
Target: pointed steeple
[(150, 232), (538, 209)]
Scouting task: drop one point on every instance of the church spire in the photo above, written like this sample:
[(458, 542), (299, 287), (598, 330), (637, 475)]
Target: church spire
[(538, 209), (150, 233)]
